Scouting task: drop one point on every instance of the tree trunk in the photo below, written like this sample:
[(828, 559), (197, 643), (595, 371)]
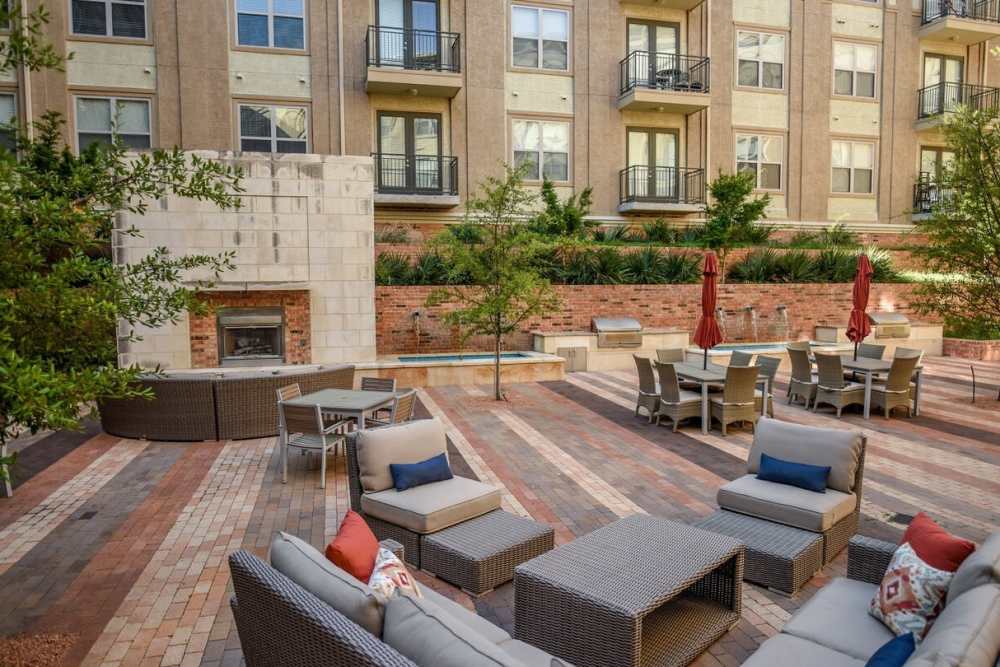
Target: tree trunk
[(6, 490), (496, 369)]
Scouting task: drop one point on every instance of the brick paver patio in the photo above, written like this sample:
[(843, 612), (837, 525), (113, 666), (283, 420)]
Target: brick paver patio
[(122, 544)]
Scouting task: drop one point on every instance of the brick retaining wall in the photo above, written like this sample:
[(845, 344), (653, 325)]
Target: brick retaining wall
[(654, 305), (978, 350)]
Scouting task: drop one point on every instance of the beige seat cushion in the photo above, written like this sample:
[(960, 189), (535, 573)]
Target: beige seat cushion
[(982, 567), (786, 504), (411, 442), (306, 566), (493, 633), (837, 618), (838, 448), (432, 507), (788, 651), (530, 656), (966, 634)]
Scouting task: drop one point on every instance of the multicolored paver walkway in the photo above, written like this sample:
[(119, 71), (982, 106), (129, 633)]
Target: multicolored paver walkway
[(122, 544)]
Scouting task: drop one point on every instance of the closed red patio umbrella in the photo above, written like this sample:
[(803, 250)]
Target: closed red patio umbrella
[(858, 326), (708, 334)]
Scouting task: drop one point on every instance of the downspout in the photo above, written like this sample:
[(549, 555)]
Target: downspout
[(340, 77)]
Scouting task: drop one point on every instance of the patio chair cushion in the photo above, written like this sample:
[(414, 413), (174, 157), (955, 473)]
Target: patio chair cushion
[(428, 636), (982, 567), (354, 548), (432, 507), (530, 656), (306, 566), (967, 632), (838, 448), (493, 633), (835, 618), (411, 442), (785, 650), (786, 504)]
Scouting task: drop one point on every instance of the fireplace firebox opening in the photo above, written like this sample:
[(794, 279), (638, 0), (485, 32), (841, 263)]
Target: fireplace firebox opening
[(251, 336)]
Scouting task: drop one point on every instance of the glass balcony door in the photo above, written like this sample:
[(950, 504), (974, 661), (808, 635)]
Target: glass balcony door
[(409, 152), (933, 162), (656, 46), (652, 162), (948, 71), (408, 33)]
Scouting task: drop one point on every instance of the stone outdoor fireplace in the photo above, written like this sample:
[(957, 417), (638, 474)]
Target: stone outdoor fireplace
[(251, 336)]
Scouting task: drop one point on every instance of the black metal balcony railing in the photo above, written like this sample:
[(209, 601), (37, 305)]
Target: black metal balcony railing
[(665, 185), (927, 193), (664, 71), (977, 10), (416, 174), (413, 49), (946, 97)]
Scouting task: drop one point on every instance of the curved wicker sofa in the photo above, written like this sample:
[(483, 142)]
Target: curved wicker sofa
[(213, 406)]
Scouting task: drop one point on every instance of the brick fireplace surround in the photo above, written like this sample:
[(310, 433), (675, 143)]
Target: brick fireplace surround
[(294, 303)]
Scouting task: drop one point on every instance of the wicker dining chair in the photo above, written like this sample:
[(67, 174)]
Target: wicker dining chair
[(803, 382), (898, 389), (649, 395), (833, 389), (737, 403), (401, 410), (302, 427), (676, 404), (768, 368), (870, 351), (674, 355), (740, 358)]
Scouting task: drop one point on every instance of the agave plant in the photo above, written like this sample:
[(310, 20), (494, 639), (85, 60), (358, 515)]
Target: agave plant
[(838, 235), (609, 267), (429, 269), (658, 231), (392, 268), (836, 265), (883, 270), (691, 235), (682, 268), (759, 266), (647, 266), (797, 266)]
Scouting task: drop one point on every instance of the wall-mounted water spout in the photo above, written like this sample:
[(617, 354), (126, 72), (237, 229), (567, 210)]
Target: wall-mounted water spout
[(751, 318), (415, 318), (782, 325), (720, 317)]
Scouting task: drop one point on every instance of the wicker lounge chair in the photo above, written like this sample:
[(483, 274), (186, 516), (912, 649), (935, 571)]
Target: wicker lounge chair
[(897, 390), (303, 427), (833, 389), (737, 402), (649, 397), (676, 404), (803, 382), (768, 368), (740, 358)]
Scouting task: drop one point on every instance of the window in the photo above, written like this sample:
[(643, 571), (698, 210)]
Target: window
[(760, 155), (271, 23), (102, 119), (5, 6), (761, 57), (273, 129), (853, 166), (540, 37), (544, 146), (8, 116), (110, 18), (854, 69)]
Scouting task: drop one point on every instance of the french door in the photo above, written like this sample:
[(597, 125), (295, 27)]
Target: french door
[(942, 81), (653, 57), (652, 163), (408, 33), (409, 152)]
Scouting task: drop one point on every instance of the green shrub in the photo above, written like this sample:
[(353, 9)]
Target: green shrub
[(467, 232), (608, 265), (392, 268), (757, 234), (803, 240), (658, 231), (797, 266), (611, 234), (682, 268), (647, 266), (759, 266), (838, 235), (394, 234), (429, 269), (836, 265), (568, 218), (693, 235)]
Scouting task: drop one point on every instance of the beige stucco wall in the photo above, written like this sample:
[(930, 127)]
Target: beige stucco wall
[(852, 209), (854, 117), (102, 65), (753, 109), (772, 13), (539, 93), (857, 21), (269, 75)]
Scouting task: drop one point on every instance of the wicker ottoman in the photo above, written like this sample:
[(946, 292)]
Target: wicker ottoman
[(778, 556), (480, 554)]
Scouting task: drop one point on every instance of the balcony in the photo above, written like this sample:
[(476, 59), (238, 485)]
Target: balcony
[(935, 102), (960, 21), (416, 181), (686, 5), (926, 194), (661, 189), (413, 62), (664, 82)]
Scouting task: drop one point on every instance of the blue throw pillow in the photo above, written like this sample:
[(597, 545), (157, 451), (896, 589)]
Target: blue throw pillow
[(408, 475), (802, 475), (894, 652)]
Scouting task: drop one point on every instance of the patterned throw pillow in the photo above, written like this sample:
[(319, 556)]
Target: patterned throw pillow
[(390, 577), (911, 595)]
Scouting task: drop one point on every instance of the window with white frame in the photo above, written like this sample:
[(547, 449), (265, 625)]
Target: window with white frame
[(853, 167), (761, 155), (278, 24), (543, 147), (109, 18), (761, 59), (540, 37), (8, 116), (6, 6), (104, 119), (854, 67), (273, 128)]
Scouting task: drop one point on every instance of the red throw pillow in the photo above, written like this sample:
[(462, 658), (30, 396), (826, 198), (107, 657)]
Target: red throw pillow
[(935, 545), (354, 548)]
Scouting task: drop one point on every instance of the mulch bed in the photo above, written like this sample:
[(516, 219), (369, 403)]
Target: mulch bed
[(39, 650)]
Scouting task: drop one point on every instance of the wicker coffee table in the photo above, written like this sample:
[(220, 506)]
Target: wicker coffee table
[(480, 554), (778, 556), (639, 591)]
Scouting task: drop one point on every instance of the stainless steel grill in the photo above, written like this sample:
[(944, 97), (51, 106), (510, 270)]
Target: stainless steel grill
[(889, 325), (617, 331)]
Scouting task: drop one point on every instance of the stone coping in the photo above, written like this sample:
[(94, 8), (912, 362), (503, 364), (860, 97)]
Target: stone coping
[(652, 330), (394, 362)]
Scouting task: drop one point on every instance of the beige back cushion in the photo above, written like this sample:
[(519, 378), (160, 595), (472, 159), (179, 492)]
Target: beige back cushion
[(982, 567), (838, 448), (411, 442), (966, 634)]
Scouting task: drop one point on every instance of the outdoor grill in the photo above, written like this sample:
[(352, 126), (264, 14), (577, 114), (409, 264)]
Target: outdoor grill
[(889, 325), (617, 331)]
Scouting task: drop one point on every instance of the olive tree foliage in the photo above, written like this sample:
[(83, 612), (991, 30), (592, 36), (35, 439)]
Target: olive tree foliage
[(62, 296), (963, 231)]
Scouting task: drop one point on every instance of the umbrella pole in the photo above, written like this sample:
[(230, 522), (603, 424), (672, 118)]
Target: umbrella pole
[(855, 351), (705, 366)]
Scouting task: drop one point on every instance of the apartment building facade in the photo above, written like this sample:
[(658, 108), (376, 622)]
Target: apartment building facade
[(835, 106)]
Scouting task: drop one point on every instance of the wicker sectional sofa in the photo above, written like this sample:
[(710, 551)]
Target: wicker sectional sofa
[(834, 628)]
